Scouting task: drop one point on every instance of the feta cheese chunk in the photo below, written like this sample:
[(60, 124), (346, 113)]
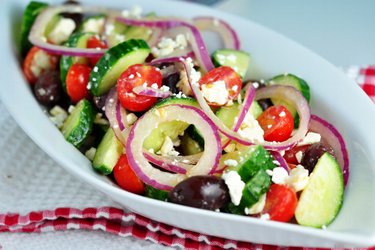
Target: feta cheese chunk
[(257, 207), (216, 92), (279, 175), (235, 185), (62, 30), (167, 149), (95, 25), (58, 116), (167, 45), (231, 163), (310, 138), (250, 129), (298, 178)]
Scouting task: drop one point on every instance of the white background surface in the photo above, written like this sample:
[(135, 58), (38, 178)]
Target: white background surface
[(339, 31)]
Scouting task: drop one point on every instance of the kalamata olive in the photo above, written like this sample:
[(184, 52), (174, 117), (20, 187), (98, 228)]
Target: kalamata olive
[(265, 103), (313, 153), (171, 82), (99, 101), (76, 17), (207, 192), (47, 88)]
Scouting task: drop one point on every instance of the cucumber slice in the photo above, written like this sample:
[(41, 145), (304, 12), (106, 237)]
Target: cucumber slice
[(228, 113), (115, 61), (296, 82), (76, 40), (156, 194), (109, 151), (195, 135), (236, 59), (171, 129), (30, 14), (78, 125), (249, 161), (137, 32), (189, 146), (321, 200), (254, 189)]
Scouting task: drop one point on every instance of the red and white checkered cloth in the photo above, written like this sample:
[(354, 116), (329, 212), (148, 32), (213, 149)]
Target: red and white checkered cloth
[(116, 221)]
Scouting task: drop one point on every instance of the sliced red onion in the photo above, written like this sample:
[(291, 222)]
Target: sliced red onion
[(227, 33), (249, 98), (151, 92), (116, 116), (143, 127), (334, 139), (282, 162), (155, 37), (38, 39), (167, 164), (196, 40)]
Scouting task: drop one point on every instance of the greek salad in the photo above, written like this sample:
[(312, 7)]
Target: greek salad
[(140, 95)]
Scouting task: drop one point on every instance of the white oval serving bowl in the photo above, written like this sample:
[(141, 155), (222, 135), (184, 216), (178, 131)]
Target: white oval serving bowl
[(334, 97)]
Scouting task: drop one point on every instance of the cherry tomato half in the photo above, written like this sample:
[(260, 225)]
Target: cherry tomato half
[(281, 203), (77, 79), (126, 178), (95, 43), (137, 75), (277, 123), (37, 62), (232, 81)]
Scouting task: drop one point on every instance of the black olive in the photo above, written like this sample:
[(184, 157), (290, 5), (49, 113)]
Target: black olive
[(76, 17), (313, 153), (171, 81), (47, 89), (207, 192)]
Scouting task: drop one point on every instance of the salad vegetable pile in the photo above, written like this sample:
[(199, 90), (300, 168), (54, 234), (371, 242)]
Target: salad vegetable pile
[(143, 99)]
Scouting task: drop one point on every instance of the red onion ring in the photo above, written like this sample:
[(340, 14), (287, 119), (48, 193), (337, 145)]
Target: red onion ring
[(151, 92), (278, 157), (227, 33), (37, 38), (249, 98), (197, 43), (116, 116), (334, 139), (164, 180)]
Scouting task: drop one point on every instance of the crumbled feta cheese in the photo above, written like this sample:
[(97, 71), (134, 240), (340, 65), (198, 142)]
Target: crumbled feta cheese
[(257, 207), (298, 178), (235, 185), (215, 92), (62, 31), (231, 163), (167, 45), (282, 114), (265, 216), (256, 85), (58, 116), (100, 120), (167, 148), (310, 138), (41, 62), (251, 129), (164, 88), (151, 150), (90, 154), (299, 156), (70, 109), (279, 175), (94, 25), (135, 12), (154, 86), (131, 118)]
